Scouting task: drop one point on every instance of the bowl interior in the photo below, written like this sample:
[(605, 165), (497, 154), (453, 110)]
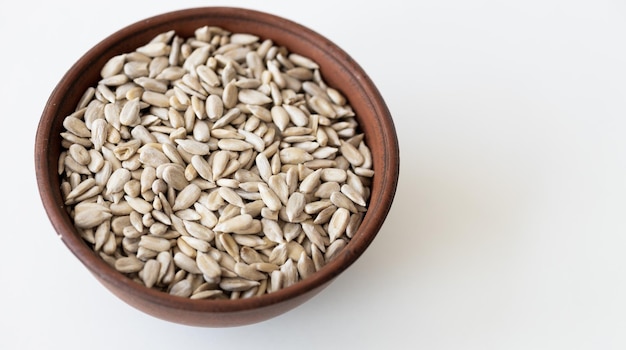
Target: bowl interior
[(338, 69)]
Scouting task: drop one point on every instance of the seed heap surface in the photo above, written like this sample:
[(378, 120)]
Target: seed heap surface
[(215, 166)]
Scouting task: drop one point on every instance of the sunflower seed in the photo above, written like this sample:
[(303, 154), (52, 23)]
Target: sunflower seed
[(199, 231), (326, 189), (207, 75), (253, 97), (233, 145), (353, 195), (322, 106), (342, 201), (113, 66), (270, 198), (101, 235), (310, 182), (289, 272), (198, 244), (272, 230), (364, 172), (338, 223), (334, 249), (279, 254), (186, 263), (351, 153), (174, 176), (182, 289), (154, 243), (280, 117), (88, 215), (313, 234), (303, 61), (249, 272), (318, 257), (295, 205), (305, 266), (294, 155), (325, 215), (81, 188), (128, 264), (333, 175), (207, 294), (296, 115), (193, 147), (129, 114), (237, 284), (276, 281), (187, 197), (208, 266), (150, 272), (230, 196), (236, 224)]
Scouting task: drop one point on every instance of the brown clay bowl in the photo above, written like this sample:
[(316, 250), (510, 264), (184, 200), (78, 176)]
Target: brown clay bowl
[(338, 69)]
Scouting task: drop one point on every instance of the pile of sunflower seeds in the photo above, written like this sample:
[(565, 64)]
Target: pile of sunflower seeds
[(215, 166)]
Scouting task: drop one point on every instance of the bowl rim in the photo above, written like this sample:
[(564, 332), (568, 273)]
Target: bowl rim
[(54, 208)]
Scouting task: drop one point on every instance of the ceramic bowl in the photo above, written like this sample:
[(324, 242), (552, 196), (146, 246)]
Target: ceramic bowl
[(338, 69)]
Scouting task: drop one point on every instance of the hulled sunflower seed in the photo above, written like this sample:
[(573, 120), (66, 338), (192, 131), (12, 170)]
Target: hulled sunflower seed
[(187, 197), (270, 198), (150, 272), (253, 97), (208, 266), (154, 243), (338, 223), (248, 272), (128, 264), (305, 266), (186, 263), (181, 288), (88, 215), (235, 284), (295, 205), (236, 224)]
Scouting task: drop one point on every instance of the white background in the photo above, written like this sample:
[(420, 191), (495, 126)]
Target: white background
[(508, 230)]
